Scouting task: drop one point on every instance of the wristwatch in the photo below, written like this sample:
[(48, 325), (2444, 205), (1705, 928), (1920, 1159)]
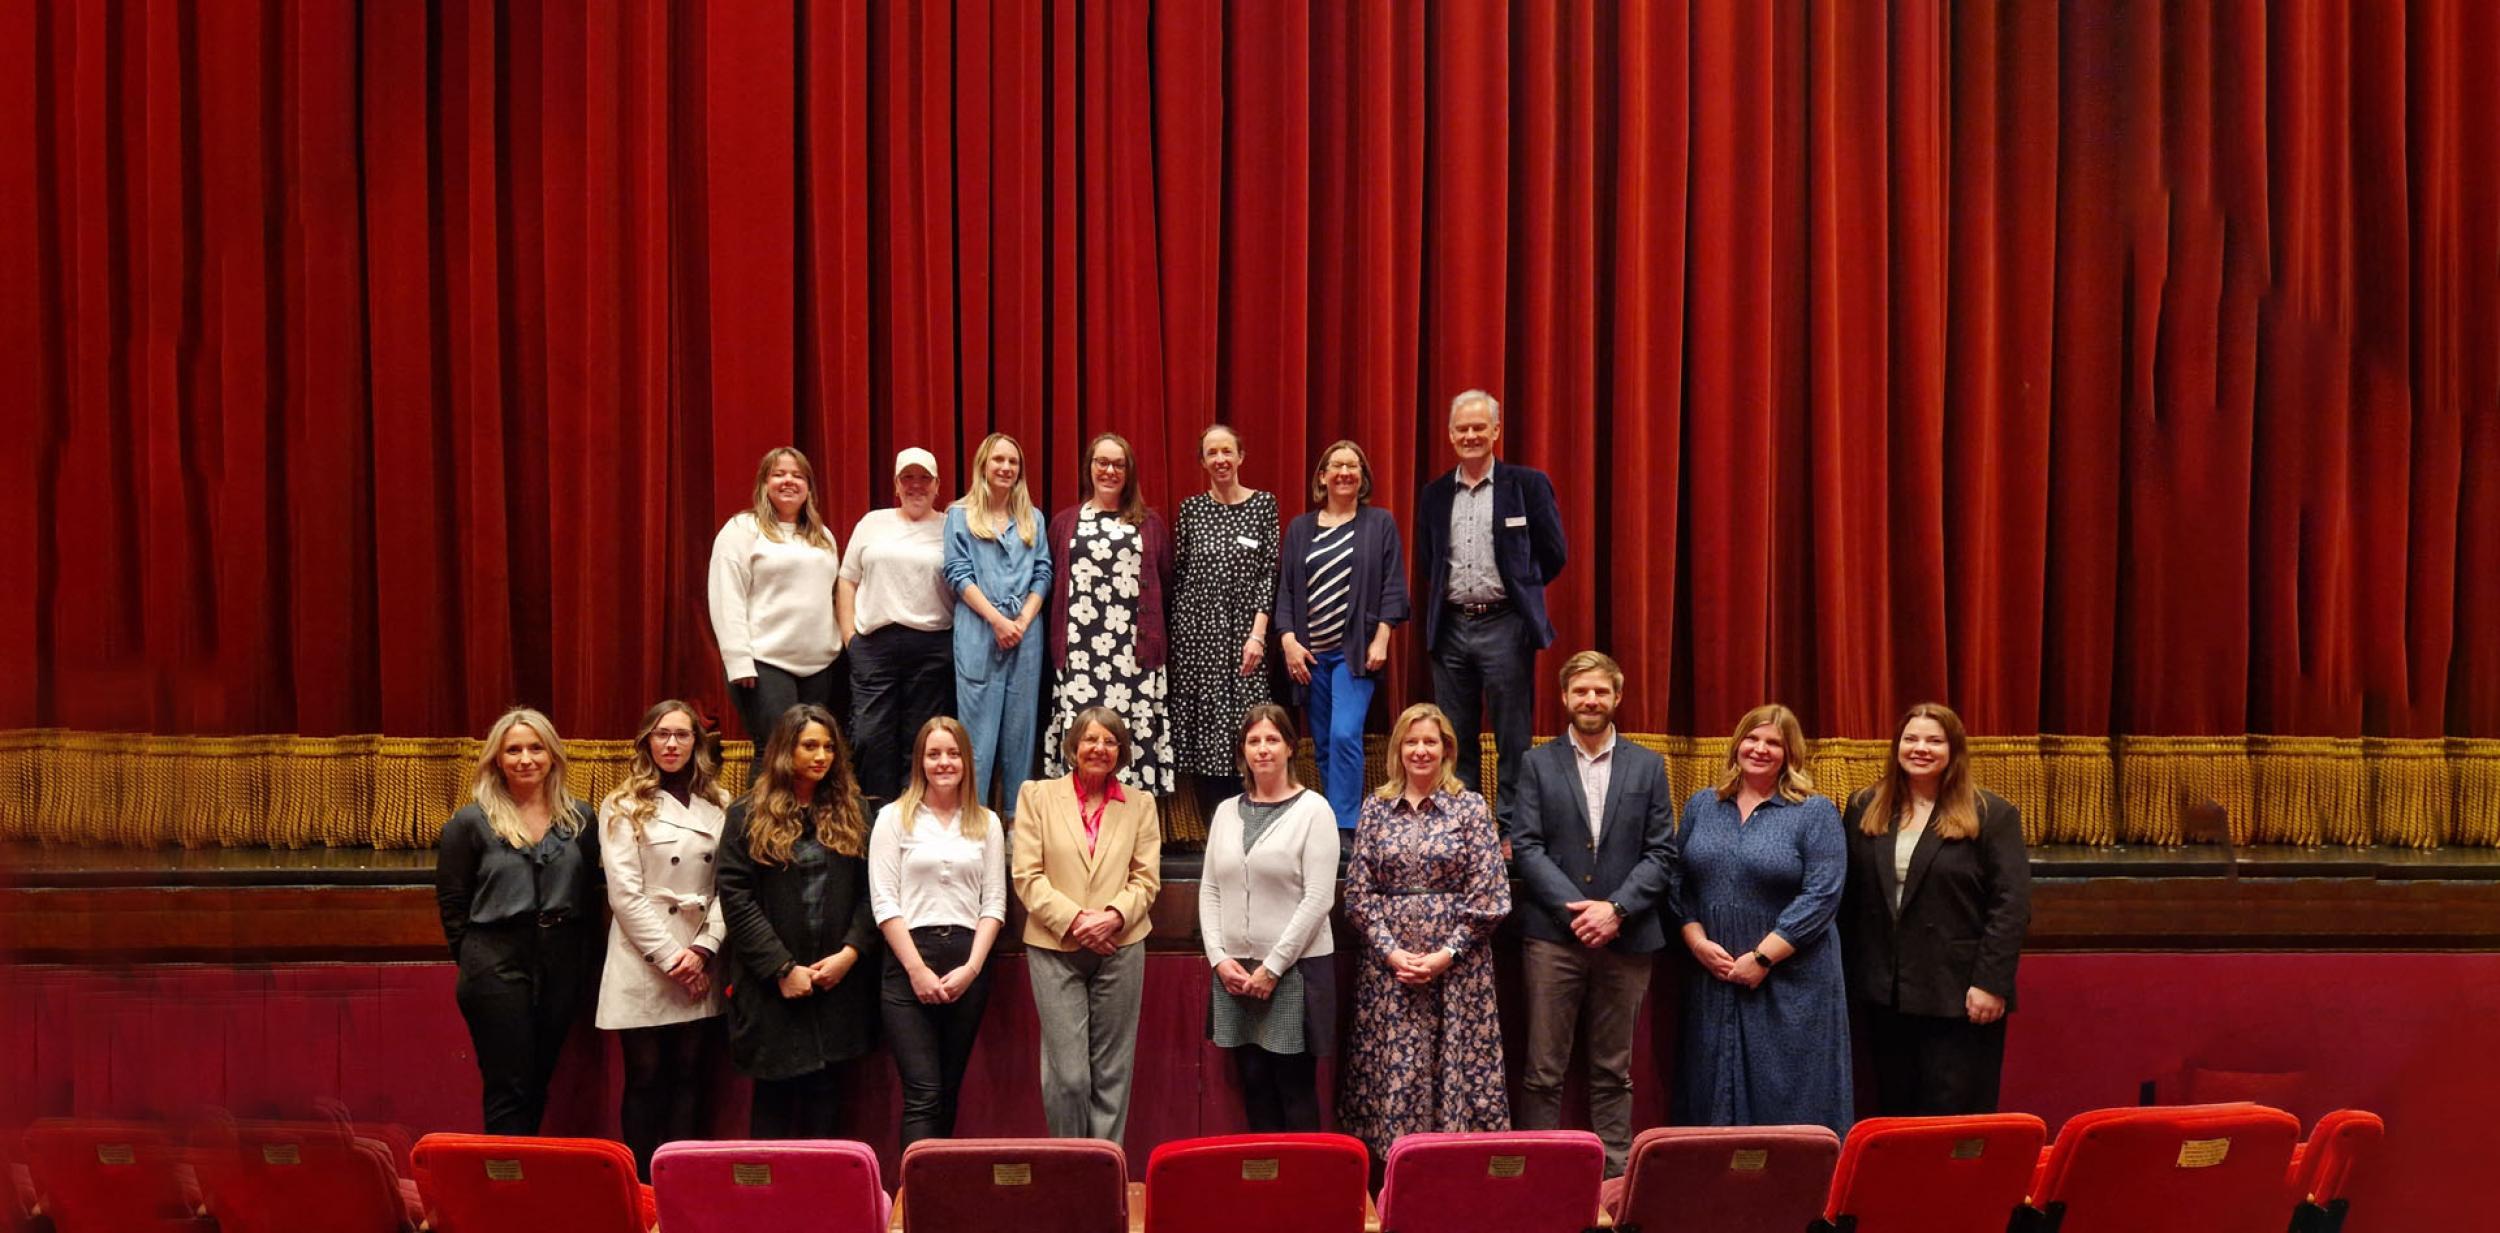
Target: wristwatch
[(1760, 958), (1620, 914)]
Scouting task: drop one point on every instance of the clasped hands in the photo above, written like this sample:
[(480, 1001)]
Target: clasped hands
[(935, 990), (1097, 930), (1414, 969), (1594, 922), (1715, 960), (1256, 983), (805, 978), (693, 971)]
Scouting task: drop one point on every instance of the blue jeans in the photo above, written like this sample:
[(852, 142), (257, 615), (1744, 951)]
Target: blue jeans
[(1338, 702)]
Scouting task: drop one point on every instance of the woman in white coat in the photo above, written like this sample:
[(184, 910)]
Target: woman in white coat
[(1263, 900), (657, 833)]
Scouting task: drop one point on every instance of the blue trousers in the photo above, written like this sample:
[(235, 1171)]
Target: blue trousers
[(1338, 703), (998, 696)]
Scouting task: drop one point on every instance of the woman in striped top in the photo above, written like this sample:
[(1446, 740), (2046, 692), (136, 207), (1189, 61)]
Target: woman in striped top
[(1341, 589)]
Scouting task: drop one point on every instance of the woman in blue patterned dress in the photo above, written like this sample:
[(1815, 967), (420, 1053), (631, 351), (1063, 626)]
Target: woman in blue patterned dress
[(1425, 889), (1766, 1018)]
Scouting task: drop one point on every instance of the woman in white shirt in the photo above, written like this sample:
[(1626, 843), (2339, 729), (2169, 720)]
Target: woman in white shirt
[(897, 618), (1263, 900), (937, 883), (657, 833), (773, 571)]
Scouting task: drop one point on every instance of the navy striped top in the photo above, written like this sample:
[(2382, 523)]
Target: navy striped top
[(1330, 568)]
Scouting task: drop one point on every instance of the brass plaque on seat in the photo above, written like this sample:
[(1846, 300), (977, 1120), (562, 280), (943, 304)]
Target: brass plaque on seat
[(1011, 1175), (115, 1154), (1969, 1149), (741, 1174), (2202, 1153), (1506, 1166), (1261, 1170), (1750, 1160), (281, 1154), (503, 1170)]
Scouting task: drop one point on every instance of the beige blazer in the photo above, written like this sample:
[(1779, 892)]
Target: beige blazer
[(1056, 877), (660, 902)]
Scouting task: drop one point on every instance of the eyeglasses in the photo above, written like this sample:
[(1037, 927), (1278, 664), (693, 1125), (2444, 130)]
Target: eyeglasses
[(671, 736), (1110, 464)]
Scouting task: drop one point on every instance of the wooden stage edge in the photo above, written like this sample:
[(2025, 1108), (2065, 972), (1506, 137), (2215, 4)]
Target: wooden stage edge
[(107, 906)]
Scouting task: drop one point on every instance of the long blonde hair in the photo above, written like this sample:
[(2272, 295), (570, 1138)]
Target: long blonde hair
[(774, 814), (1422, 712), (976, 816), (810, 524), (486, 785), (1797, 758), (976, 498), (1957, 799), (636, 799)]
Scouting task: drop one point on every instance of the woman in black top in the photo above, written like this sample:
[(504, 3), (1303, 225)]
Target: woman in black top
[(793, 886), (516, 879), (1932, 921)]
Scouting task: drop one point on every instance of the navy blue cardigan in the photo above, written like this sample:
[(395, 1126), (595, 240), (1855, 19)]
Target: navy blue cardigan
[(1379, 583)]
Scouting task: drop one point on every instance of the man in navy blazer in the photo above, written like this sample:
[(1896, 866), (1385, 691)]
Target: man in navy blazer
[(1595, 841), (1488, 539)]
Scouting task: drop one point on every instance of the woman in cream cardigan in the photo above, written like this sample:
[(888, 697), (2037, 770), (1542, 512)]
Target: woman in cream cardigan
[(1271, 874), (1087, 863)]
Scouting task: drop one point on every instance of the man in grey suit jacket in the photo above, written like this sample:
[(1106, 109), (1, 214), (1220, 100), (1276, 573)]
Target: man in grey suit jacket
[(1594, 837)]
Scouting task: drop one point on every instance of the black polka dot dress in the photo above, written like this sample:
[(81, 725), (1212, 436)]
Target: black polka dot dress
[(1224, 561)]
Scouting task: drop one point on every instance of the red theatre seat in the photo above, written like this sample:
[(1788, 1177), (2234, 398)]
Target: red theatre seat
[(1724, 1179), (1529, 1181), (1934, 1174), (2174, 1169), (518, 1184), (2342, 1143), (1031, 1185), (297, 1177), (112, 1177), (733, 1186), (1258, 1184)]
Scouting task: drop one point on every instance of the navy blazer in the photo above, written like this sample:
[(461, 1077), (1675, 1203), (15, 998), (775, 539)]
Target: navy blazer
[(1528, 545), (1633, 865)]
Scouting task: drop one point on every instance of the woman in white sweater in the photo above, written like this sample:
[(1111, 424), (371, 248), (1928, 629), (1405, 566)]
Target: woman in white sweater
[(774, 567), (1263, 900)]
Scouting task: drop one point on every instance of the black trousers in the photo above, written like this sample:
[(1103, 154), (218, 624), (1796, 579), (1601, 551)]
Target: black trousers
[(1279, 1091), (800, 1107), (899, 678), (1484, 668), (1933, 1066), (668, 1084), (776, 690), (932, 1044), (521, 989)]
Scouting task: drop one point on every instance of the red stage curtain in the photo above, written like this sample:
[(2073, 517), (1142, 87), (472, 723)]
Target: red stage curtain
[(2100, 367)]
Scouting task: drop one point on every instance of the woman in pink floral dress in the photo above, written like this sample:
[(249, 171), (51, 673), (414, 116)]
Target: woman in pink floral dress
[(1425, 888)]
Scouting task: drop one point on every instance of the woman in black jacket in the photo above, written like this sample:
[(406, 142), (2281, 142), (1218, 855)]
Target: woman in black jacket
[(793, 888), (1938, 898)]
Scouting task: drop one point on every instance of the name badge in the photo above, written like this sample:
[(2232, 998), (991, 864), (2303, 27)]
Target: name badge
[(1515, 520), (1246, 541)]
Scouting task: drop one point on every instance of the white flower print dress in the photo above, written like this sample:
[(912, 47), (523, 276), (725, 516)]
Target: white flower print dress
[(1106, 572)]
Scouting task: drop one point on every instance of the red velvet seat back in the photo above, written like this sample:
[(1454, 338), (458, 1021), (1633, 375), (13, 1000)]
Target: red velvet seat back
[(735, 1186), (291, 1177), (516, 1184), (94, 1176), (1528, 1181), (2175, 1169), (1936, 1174), (1035, 1185), (1727, 1179), (1258, 1184)]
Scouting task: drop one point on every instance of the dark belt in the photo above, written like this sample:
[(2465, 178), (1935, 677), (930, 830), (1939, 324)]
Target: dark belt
[(1477, 612), (549, 920)]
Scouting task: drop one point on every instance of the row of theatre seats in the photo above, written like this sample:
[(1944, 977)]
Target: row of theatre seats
[(2238, 1168)]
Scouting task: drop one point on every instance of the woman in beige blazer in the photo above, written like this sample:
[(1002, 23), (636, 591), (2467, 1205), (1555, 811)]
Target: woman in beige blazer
[(1088, 861), (658, 831)]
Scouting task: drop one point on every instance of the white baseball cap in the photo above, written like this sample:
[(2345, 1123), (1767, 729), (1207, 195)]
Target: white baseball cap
[(915, 457)]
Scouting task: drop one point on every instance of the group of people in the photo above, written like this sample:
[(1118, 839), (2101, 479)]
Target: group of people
[(894, 839)]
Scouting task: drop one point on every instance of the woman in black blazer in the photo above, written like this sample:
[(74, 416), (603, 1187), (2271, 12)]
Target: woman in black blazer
[(793, 889), (1938, 897)]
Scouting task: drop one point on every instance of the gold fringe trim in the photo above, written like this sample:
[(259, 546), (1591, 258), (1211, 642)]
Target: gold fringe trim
[(110, 789)]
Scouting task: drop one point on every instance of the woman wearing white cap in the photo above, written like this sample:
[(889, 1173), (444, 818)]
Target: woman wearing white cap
[(897, 616)]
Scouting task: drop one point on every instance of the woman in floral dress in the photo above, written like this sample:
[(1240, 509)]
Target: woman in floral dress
[(1224, 546), (1111, 558), (1425, 888)]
